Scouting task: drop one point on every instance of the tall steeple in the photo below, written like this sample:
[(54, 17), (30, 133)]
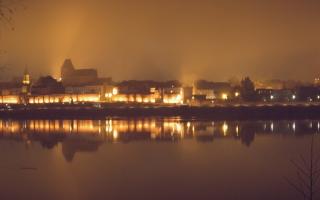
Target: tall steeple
[(26, 77), (26, 82)]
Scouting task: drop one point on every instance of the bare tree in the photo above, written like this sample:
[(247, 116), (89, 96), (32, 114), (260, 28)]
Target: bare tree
[(7, 9), (308, 174)]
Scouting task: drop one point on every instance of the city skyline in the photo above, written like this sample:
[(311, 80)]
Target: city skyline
[(160, 99)]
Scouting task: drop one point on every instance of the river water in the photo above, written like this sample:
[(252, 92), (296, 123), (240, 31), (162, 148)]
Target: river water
[(152, 158)]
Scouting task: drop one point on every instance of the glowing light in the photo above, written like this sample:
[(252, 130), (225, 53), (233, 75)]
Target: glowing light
[(294, 126), (224, 96), (152, 90), (294, 97), (188, 125), (225, 128), (9, 99), (139, 99), (115, 91), (272, 127), (173, 99), (237, 94), (178, 128), (271, 97), (26, 79), (237, 130), (115, 134), (108, 95)]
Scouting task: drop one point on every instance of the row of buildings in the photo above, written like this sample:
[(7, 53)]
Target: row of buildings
[(84, 85)]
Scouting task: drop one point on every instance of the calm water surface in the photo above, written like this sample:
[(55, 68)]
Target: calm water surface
[(153, 158)]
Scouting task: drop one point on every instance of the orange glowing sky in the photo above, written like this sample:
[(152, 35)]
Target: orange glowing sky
[(168, 39)]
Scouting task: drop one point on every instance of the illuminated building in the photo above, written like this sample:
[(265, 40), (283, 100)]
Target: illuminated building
[(104, 91), (85, 81), (80, 77), (63, 98), (26, 78), (10, 88), (169, 92), (10, 99), (26, 84), (212, 90)]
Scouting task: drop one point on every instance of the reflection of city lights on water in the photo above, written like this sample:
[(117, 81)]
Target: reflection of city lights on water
[(225, 128), (237, 130), (294, 126), (108, 126), (115, 134), (117, 130), (178, 127)]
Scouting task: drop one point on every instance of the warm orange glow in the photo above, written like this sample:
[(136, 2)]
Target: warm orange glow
[(64, 98), (115, 91), (224, 96), (9, 99), (173, 99), (225, 128)]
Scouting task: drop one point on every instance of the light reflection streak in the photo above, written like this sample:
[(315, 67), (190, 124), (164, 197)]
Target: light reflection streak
[(148, 129)]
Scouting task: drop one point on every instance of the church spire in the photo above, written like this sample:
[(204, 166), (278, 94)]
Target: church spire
[(26, 77)]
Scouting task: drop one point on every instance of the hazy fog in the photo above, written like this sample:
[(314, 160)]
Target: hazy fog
[(167, 39)]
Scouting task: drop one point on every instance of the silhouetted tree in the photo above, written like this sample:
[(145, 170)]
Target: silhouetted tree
[(7, 9), (247, 90), (308, 174)]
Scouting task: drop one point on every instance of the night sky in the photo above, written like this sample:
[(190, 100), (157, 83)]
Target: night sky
[(167, 39)]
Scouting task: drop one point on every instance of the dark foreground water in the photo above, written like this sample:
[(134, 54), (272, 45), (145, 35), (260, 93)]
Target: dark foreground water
[(154, 158)]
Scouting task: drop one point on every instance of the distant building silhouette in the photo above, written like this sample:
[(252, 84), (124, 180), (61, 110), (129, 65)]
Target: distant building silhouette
[(47, 85), (72, 76)]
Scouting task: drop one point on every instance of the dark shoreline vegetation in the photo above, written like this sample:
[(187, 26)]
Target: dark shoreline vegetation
[(101, 111)]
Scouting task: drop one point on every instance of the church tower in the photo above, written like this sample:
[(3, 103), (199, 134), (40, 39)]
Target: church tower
[(26, 82), (67, 69)]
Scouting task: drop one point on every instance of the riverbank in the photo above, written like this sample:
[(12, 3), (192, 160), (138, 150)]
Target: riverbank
[(98, 111)]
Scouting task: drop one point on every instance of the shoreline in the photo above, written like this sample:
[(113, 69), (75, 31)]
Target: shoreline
[(94, 111)]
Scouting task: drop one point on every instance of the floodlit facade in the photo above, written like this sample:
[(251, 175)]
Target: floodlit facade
[(63, 98), (10, 99)]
